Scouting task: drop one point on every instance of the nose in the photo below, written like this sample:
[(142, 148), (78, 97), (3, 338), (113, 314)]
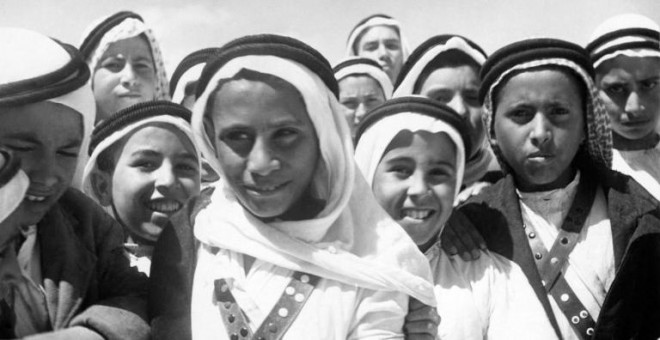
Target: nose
[(128, 76), (382, 52), (43, 170), (360, 111), (634, 104), (458, 104), (541, 132), (261, 160), (165, 178), (417, 184)]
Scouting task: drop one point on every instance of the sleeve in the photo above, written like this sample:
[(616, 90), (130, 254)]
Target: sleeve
[(120, 311), (379, 315)]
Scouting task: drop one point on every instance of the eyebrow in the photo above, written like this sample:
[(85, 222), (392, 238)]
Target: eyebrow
[(32, 138)]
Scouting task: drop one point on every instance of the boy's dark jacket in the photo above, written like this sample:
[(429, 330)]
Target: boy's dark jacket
[(632, 306), (87, 278)]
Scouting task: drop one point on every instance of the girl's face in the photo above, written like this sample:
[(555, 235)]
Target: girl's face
[(415, 182), (539, 127), (266, 145), (46, 137), (458, 87), (383, 44), (125, 75), (629, 88), (155, 174), (359, 95)]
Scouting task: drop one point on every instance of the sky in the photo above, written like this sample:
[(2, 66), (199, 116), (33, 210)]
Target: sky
[(183, 26)]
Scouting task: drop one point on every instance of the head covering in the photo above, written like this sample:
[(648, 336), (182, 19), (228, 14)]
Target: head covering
[(411, 113), (119, 26), (188, 70), (631, 35), (372, 21), (534, 54), (430, 51), (125, 122), (37, 68), (354, 66), (13, 184), (352, 240)]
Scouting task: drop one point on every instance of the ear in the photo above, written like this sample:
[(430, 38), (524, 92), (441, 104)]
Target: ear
[(102, 186)]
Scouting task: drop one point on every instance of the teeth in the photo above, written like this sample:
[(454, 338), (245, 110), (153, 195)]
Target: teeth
[(33, 198), (418, 214), (165, 207)]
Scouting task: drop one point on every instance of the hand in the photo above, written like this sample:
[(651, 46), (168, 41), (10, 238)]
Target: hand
[(472, 190), (459, 236), (421, 322)]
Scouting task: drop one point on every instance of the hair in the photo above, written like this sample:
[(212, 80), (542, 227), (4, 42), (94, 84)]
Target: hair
[(451, 58), (245, 74)]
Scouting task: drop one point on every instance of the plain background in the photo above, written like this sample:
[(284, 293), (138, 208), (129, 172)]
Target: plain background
[(184, 26)]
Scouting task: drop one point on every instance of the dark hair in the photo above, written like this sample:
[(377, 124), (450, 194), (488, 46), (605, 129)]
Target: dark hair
[(451, 58)]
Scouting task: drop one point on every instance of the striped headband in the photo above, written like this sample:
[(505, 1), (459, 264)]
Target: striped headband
[(191, 60)]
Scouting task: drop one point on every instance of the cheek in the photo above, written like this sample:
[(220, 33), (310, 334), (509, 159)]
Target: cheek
[(387, 193), (103, 81)]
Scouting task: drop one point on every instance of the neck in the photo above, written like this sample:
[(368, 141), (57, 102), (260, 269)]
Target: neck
[(625, 144), (561, 182), (426, 246), (305, 208)]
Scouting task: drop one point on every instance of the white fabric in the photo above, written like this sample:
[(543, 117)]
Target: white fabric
[(191, 74), (130, 28), (377, 21), (334, 310), (590, 269), (488, 298), (374, 72), (642, 165), (374, 141), (91, 166), (352, 242), (620, 22), (407, 85), (12, 193)]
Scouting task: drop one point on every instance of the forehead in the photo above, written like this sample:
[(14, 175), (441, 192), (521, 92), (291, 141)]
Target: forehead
[(162, 137), (377, 33), (542, 84), (422, 146), (625, 66), (41, 119), (449, 76), (135, 46), (355, 83)]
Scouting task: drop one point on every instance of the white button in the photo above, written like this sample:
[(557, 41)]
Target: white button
[(554, 260), (299, 297), (304, 278), (564, 297), (283, 312), (590, 331), (584, 314), (575, 319), (290, 290)]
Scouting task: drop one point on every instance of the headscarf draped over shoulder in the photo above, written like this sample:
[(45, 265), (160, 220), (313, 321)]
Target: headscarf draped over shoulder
[(119, 26), (352, 240), (372, 21), (540, 53), (38, 68), (353, 66)]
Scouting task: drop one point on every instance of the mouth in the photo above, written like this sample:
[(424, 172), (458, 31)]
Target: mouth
[(37, 195), (635, 123), (540, 156), (130, 95), (165, 206), (264, 190), (35, 198), (417, 214)]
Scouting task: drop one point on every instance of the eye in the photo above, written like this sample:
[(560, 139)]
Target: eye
[(187, 167), (401, 171), (440, 175), (615, 89), (72, 153), (472, 98), (371, 46), (520, 115), (20, 147), (350, 104), (236, 136), (393, 45), (145, 165), (113, 64), (286, 136), (649, 84), (441, 96), (559, 111)]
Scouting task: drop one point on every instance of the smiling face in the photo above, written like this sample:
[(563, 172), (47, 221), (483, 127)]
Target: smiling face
[(46, 137), (155, 173), (458, 87), (629, 88), (382, 44), (415, 182), (539, 127), (125, 75), (265, 143), (359, 95)]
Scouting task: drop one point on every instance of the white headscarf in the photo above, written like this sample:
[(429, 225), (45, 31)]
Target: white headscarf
[(27, 54), (621, 22), (376, 20), (12, 192), (371, 147), (130, 28), (352, 240), (372, 71)]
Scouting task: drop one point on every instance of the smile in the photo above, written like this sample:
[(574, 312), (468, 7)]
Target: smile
[(35, 198), (164, 206), (417, 214), (264, 189)]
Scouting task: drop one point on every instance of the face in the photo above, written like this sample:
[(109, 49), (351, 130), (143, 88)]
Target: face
[(46, 137), (125, 75), (383, 44), (266, 145), (458, 87), (415, 182), (155, 173), (539, 127), (359, 95), (629, 88)]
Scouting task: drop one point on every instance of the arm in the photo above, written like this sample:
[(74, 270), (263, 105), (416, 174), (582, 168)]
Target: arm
[(460, 236), (421, 321), (379, 315)]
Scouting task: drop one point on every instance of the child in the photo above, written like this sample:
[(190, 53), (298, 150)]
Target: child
[(625, 51), (126, 63), (412, 152), (143, 168), (72, 279), (378, 37), (363, 85), (586, 237), (289, 243)]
